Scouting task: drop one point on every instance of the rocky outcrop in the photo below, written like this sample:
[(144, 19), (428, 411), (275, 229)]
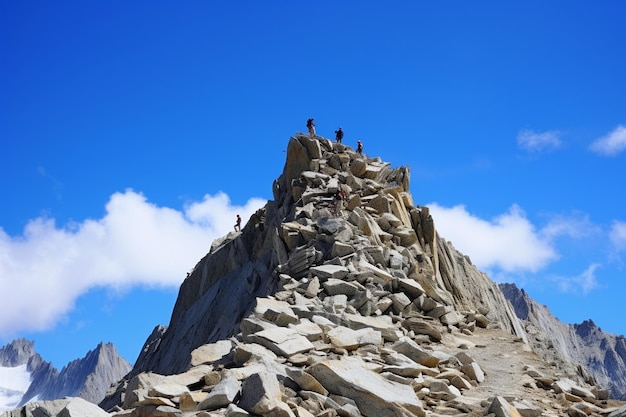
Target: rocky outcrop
[(601, 355), (380, 238)]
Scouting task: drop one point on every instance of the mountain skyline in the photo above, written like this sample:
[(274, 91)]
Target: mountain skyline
[(26, 377), (132, 134)]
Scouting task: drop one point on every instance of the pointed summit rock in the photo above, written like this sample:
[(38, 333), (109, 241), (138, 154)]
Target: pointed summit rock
[(379, 238), (16, 353)]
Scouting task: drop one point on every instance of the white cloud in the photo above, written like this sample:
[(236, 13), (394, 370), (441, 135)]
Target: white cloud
[(586, 281), (611, 144), (509, 245), (537, 142), (509, 242), (43, 271), (618, 235)]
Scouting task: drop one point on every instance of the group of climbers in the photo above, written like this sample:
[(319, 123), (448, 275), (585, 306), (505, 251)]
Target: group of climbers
[(339, 196), (310, 125)]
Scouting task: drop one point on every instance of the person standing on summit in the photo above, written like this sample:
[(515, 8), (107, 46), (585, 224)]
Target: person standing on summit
[(311, 126), (339, 134), (359, 147)]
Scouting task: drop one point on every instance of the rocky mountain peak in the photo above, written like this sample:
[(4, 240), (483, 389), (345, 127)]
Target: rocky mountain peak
[(350, 306), (87, 378), (16, 353), (377, 236), (586, 328)]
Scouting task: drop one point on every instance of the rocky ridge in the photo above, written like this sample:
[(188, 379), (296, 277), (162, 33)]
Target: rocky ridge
[(601, 355), (87, 378), (355, 310)]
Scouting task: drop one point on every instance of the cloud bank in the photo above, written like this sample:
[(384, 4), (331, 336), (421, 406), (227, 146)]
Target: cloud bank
[(510, 246), (44, 271), (509, 242), (611, 144)]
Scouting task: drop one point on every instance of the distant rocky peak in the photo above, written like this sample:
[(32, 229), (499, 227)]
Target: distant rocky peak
[(586, 328), (602, 355), (17, 352), (518, 299)]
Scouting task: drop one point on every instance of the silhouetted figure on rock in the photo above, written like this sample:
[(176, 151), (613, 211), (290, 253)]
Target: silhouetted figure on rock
[(310, 124), (339, 134)]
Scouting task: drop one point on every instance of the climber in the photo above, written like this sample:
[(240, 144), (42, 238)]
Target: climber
[(359, 147), (338, 201), (339, 134), (311, 126), (238, 224)]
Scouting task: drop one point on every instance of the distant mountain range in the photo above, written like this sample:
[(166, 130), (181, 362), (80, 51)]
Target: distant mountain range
[(25, 376), (601, 354)]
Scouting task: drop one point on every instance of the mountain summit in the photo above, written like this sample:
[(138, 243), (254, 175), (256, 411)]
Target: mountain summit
[(339, 298), (379, 238)]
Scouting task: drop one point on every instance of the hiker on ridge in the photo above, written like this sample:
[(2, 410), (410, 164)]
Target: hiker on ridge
[(339, 134), (311, 126), (238, 224), (359, 147)]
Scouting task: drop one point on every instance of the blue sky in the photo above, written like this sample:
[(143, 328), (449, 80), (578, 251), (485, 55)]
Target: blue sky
[(131, 133)]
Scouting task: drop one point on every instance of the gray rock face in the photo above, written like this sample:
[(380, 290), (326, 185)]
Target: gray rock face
[(373, 394), (241, 269), (87, 378), (17, 353), (602, 355)]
